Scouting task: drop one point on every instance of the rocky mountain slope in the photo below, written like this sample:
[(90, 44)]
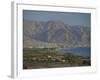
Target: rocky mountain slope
[(54, 34)]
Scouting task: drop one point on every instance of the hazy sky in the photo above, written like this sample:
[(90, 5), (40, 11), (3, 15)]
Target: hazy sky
[(70, 18)]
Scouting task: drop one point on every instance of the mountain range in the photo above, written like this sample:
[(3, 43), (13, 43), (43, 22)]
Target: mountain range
[(54, 34)]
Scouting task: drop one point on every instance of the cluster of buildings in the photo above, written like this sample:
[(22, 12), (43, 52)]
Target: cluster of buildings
[(59, 58)]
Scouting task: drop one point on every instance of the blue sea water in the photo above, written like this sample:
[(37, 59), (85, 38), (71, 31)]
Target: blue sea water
[(81, 51)]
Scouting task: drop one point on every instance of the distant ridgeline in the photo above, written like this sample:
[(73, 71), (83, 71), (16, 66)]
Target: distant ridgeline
[(38, 34)]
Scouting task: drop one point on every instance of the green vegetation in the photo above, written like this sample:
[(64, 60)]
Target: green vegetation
[(51, 57)]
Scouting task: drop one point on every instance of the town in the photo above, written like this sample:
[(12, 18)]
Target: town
[(50, 58)]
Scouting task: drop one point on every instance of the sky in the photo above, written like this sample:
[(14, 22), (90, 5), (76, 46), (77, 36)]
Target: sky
[(71, 18)]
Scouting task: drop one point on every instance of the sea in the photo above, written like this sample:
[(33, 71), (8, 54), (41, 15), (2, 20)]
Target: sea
[(84, 51)]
